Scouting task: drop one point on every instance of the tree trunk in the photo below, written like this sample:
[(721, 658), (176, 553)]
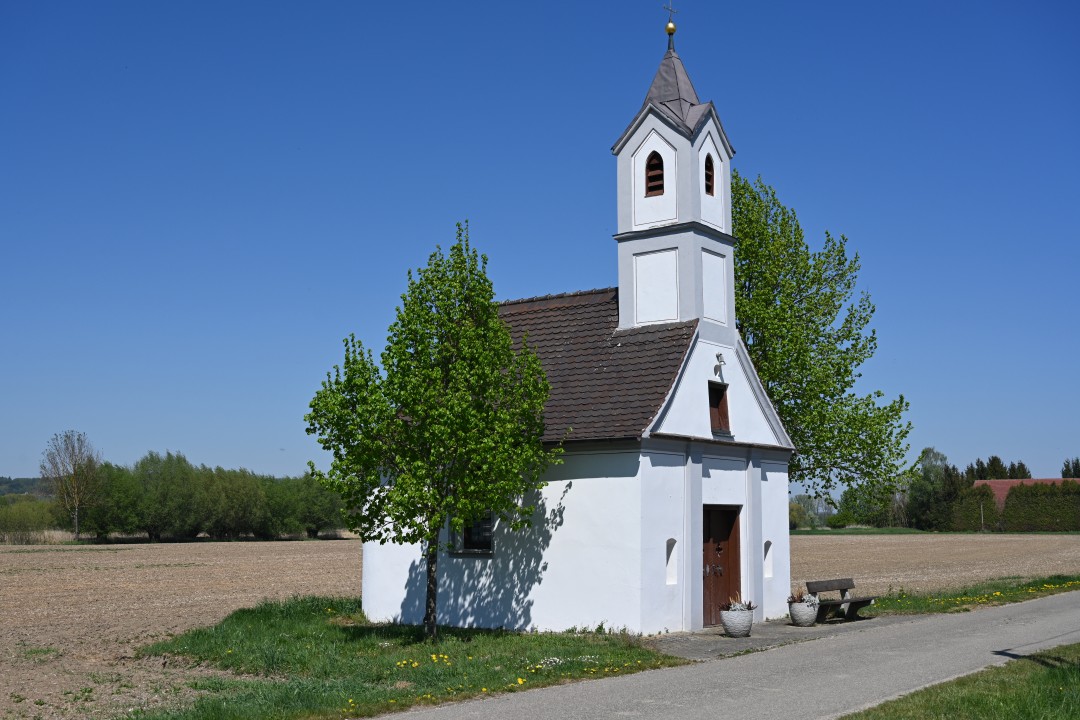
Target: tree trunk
[(430, 607), (75, 518)]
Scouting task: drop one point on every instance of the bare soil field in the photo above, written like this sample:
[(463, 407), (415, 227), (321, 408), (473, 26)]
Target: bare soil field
[(72, 618), (931, 562)]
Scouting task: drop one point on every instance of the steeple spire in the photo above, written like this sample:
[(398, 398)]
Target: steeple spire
[(670, 27), (673, 93)]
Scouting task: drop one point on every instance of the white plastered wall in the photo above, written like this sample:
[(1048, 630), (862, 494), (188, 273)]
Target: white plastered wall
[(774, 530), (578, 566), (688, 411), (715, 285), (657, 209), (715, 208), (656, 286), (666, 575)]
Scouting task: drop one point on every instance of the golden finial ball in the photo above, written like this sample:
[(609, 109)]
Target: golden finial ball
[(670, 28)]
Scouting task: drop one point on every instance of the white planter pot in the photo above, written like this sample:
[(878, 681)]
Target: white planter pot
[(802, 615), (737, 623)]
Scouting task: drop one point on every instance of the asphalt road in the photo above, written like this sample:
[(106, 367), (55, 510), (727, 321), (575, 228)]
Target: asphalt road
[(821, 678)]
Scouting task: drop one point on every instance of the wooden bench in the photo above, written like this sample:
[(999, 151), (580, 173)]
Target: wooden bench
[(847, 606)]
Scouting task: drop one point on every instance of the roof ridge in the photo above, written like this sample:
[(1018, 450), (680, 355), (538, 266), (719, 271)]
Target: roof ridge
[(558, 296), (654, 327)]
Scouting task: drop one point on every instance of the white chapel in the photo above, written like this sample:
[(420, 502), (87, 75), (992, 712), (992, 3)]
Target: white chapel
[(673, 494)]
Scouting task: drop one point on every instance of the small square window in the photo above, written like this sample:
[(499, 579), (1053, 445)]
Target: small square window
[(476, 537), (718, 408)]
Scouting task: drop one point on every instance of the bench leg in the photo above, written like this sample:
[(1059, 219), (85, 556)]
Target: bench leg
[(852, 612)]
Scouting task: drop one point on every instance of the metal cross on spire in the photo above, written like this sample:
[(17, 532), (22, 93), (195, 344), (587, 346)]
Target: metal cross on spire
[(670, 25)]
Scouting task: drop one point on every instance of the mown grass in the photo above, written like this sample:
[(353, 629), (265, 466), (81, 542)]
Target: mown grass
[(320, 658), (992, 592), (1044, 686)]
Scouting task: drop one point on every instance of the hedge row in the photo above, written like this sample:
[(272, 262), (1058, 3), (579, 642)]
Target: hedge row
[(975, 509), (1044, 507), (166, 497)]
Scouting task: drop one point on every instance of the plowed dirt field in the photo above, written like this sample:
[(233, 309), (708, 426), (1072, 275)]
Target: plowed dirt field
[(71, 618), (926, 563)]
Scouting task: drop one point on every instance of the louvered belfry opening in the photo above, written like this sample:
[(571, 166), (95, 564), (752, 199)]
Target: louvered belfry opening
[(708, 175), (654, 174)]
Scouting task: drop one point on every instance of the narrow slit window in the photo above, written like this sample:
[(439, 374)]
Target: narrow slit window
[(654, 174), (718, 408), (709, 175)]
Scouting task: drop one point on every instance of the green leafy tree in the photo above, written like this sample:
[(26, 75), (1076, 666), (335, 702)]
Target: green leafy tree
[(812, 508), (874, 504), (171, 496), (808, 335), (71, 463), (448, 430), (235, 503), (935, 488), (797, 516), (118, 509), (318, 507), (24, 518), (1071, 468)]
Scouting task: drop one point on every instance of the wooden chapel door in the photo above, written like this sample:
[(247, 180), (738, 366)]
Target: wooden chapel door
[(720, 558)]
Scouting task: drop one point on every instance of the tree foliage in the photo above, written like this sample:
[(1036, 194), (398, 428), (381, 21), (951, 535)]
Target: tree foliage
[(935, 486), (166, 497), (1071, 468), (813, 509), (975, 509), (807, 335), (24, 518), (449, 429), (874, 504), (71, 463), (1042, 508), (994, 468)]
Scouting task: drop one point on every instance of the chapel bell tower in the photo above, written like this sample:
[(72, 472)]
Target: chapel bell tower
[(674, 205)]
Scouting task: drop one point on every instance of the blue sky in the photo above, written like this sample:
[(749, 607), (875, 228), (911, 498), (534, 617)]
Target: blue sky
[(198, 201)]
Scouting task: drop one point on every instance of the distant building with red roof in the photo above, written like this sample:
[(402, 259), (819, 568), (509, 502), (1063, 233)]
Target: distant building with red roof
[(1001, 488)]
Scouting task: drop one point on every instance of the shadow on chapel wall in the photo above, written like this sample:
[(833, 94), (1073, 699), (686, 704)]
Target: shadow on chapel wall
[(490, 591)]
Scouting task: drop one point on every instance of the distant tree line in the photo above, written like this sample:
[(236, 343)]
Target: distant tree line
[(23, 486), (166, 497), (937, 495)]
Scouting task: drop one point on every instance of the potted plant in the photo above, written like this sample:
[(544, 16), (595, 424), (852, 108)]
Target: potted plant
[(803, 608), (737, 617)]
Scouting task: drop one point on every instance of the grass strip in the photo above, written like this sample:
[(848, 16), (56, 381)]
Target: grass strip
[(993, 592), (320, 658), (1043, 686)]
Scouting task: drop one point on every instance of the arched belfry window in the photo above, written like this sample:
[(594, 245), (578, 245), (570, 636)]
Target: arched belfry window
[(709, 175), (654, 174)]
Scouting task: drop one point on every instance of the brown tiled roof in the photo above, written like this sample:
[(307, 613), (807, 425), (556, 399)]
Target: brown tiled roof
[(605, 383), (1001, 488)]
